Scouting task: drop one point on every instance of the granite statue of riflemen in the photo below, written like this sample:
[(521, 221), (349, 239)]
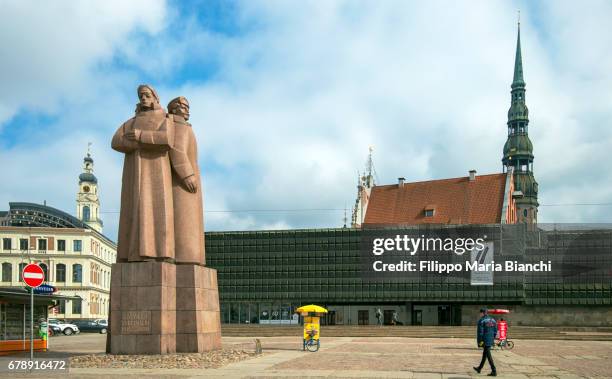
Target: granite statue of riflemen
[(161, 198), (163, 298), (146, 221)]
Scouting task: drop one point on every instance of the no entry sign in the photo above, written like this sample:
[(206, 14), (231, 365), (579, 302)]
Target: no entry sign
[(33, 275)]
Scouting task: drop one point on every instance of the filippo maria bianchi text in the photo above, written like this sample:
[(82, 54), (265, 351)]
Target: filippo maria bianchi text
[(467, 266)]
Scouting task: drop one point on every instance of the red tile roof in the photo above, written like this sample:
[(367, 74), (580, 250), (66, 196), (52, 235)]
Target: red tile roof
[(455, 200)]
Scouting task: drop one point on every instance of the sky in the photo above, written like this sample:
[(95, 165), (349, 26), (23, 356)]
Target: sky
[(287, 97)]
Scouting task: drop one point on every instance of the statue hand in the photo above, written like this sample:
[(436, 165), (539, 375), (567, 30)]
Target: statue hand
[(191, 183), (133, 135)]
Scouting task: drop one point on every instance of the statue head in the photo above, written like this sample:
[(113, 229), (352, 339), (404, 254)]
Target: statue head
[(180, 107), (148, 98)]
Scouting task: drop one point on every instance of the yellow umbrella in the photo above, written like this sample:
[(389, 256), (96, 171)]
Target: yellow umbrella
[(311, 309)]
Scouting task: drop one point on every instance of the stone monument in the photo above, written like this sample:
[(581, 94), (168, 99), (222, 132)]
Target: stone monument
[(163, 297)]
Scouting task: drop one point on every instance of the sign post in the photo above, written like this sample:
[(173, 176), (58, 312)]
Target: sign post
[(33, 276)]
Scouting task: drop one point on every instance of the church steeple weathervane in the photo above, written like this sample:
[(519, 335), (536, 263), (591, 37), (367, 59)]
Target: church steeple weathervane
[(518, 150)]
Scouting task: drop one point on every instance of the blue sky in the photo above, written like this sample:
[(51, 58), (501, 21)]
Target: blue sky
[(288, 96)]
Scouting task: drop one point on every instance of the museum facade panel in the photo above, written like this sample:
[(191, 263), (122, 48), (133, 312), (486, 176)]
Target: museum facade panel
[(264, 275)]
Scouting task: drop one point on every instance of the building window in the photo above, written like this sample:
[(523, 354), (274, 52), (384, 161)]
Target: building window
[(86, 213), (429, 212), (6, 244), (21, 267), (7, 272), (62, 307), (76, 306), (42, 244), (45, 271), (77, 245), (77, 273), (525, 212), (61, 245), (60, 272)]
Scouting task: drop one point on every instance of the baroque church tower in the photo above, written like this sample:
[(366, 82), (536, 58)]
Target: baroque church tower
[(88, 202), (518, 150)]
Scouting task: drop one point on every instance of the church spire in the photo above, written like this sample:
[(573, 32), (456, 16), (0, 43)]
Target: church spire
[(518, 61), (365, 183), (518, 150)]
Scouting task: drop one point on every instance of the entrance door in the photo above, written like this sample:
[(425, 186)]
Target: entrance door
[(363, 317), (331, 318), (444, 315), (456, 314), (387, 316), (417, 317)]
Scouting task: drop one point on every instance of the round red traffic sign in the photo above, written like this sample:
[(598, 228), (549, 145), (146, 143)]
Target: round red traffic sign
[(33, 275)]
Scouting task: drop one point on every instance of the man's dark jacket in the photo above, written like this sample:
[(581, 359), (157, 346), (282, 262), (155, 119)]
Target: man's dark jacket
[(486, 330)]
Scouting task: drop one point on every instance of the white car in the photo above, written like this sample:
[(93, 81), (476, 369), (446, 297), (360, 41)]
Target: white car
[(65, 328)]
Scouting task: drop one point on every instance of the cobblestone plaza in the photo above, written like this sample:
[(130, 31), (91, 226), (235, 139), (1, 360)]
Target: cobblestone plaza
[(350, 357)]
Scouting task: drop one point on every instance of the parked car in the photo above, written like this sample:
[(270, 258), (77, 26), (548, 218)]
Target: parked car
[(102, 321), (95, 326), (66, 328)]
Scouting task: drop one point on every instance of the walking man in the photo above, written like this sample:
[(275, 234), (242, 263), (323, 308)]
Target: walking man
[(378, 317), (394, 319), (486, 331)]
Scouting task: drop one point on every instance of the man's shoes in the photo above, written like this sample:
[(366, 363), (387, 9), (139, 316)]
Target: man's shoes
[(477, 369), (493, 373)]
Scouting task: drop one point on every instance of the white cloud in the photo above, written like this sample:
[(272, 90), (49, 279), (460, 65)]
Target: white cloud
[(53, 50), (303, 98)]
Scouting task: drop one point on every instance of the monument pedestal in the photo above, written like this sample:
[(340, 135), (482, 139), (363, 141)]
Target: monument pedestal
[(162, 308)]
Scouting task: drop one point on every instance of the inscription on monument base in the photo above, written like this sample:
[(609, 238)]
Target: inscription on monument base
[(136, 322)]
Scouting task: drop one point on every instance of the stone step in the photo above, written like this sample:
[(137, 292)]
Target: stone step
[(519, 332)]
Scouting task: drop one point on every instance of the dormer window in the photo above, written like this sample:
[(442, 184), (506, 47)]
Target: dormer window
[(429, 210)]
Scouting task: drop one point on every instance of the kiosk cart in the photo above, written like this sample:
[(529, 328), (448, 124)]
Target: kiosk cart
[(312, 325)]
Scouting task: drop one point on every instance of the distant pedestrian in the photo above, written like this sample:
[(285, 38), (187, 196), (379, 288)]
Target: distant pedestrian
[(378, 317), (486, 331), (394, 320)]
